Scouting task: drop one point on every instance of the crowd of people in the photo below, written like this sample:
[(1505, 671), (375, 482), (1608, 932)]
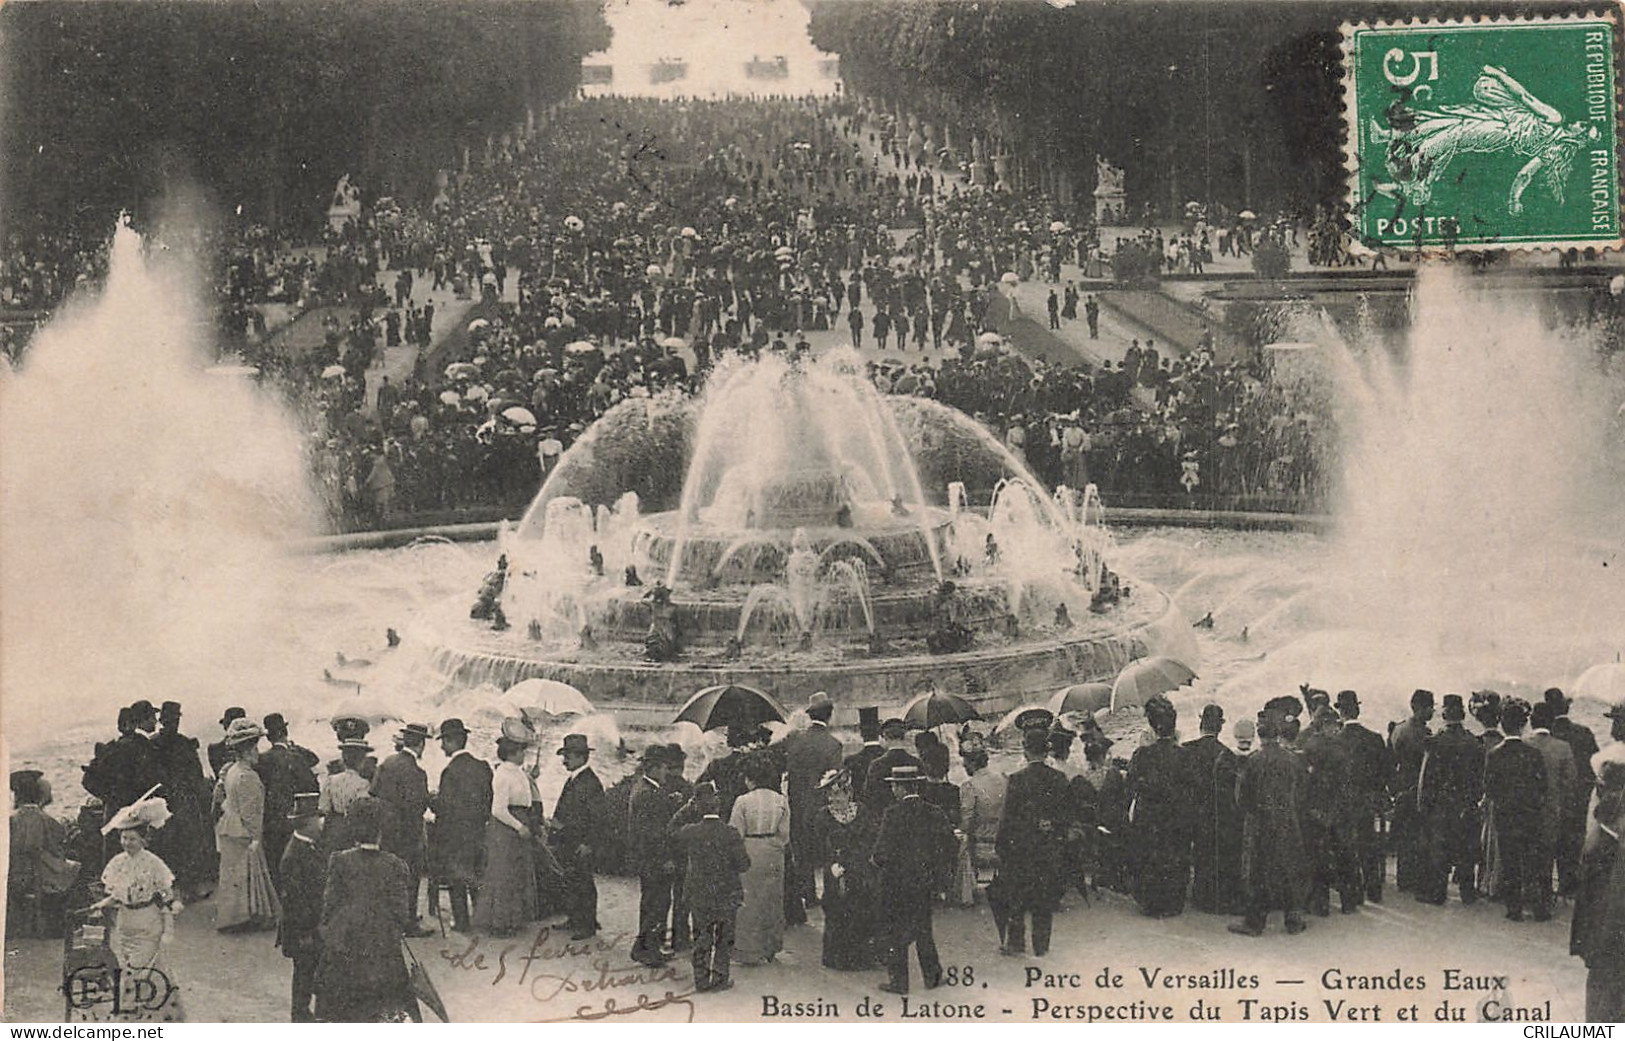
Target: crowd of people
[(606, 266), (868, 844)]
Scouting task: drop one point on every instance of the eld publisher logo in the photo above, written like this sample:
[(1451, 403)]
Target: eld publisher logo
[(137, 992)]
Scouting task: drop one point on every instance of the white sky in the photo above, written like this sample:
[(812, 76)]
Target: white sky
[(716, 38)]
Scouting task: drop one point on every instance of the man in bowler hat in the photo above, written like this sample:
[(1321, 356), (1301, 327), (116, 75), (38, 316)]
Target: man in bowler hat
[(303, 880), (1038, 810), (286, 770), (578, 820), (1407, 747), (402, 788), (1515, 781), (1572, 825), (462, 805), (1367, 793), (915, 852), (1273, 792), (1451, 788), (808, 755), (651, 853), (877, 793), (716, 857)]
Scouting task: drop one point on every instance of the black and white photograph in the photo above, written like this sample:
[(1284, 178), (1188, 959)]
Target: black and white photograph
[(1104, 512)]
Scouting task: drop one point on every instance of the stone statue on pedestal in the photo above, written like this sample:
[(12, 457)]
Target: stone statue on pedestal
[(1111, 199)]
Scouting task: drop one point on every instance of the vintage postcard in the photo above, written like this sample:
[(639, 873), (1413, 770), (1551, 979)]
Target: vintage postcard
[(845, 511)]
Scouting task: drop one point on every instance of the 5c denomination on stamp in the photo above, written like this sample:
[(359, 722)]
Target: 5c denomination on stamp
[(1483, 133)]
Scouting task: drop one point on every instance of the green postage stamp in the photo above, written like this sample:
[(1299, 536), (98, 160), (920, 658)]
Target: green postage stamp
[(1483, 133)]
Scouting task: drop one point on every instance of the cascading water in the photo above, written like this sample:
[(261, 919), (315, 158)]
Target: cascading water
[(1477, 525), (144, 504)]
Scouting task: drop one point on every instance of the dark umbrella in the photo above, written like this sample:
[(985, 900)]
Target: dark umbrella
[(730, 705), (938, 709)]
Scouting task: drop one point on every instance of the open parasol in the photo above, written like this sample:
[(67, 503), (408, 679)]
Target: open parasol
[(1144, 679), (1026, 717), (1604, 683), (556, 698), (1081, 697), (520, 416), (730, 705)]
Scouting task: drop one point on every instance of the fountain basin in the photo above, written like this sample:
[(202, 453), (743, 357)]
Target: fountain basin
[(995, 676)]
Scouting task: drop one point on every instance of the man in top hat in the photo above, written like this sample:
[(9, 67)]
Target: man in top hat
[(877, 793), (1572, 827), (187, 843), (1451, 787), (1407, 747), (1272, 792), (303, 872), (915, 853), (462, 806), (1160, 783), (1031, 844), (1515, 781), (651, 853), (286, 770), (578, 820), (1213, 770), (217, 750), (857, 764), (1367, 793), (402, 788), (808, 755)]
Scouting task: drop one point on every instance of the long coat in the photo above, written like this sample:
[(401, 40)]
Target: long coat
[(1038, 809), (1369, 767), (580, 812), (1161, 827), (1215, 824), (1272, 792), (649, 836), (287, 770), (304, 881), (715, 859), (365, 912), (1515, 779), (877, 793), (914, 851), (403, 788), (461, 808), (808, 755)]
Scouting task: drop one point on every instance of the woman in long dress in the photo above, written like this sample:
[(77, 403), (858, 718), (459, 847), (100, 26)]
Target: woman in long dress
[(506, 900), (762, 816), (245, 899), (141, 890), (366, 909), (845, 831)]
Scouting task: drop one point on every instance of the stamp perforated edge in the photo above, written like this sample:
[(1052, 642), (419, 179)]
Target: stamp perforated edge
[(1350, 121)]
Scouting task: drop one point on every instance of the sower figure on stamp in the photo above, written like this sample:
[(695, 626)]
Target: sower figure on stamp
[(461, 805), (402, 790), (914, 852), (578, 818), (1451, 787), (1038, 809), (715, 856), (303, 879)]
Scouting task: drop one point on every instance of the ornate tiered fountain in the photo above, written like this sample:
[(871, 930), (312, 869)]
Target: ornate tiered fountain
[(794, 548)]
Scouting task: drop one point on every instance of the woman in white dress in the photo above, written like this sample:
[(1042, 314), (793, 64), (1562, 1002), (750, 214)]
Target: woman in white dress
[(245, 900), (141, 891), (762, 816)]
